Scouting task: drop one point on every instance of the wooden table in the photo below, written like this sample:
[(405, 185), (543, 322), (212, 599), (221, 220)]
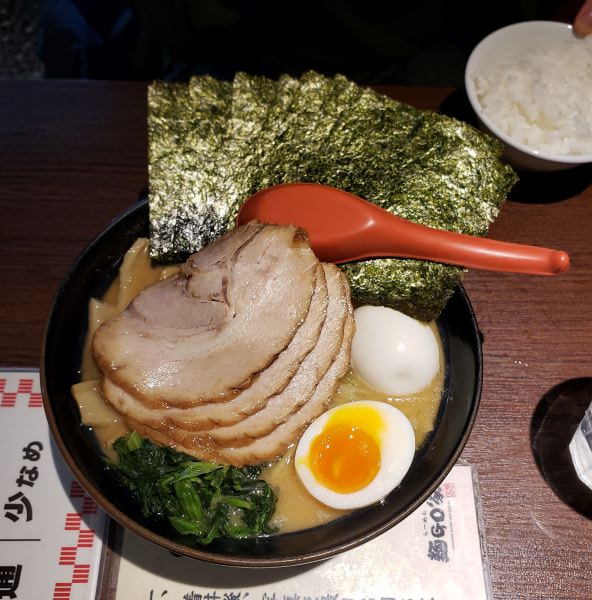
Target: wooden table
[(73, 155)]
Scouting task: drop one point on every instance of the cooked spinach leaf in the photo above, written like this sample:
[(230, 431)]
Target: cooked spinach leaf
[(199, 498)]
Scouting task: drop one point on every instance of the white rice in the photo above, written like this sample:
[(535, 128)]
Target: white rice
[(544, 98)]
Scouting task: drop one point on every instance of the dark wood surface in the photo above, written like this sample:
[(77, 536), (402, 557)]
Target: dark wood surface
[(73, 155)]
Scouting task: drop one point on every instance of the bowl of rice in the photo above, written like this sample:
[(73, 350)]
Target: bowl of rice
[(530, 85)]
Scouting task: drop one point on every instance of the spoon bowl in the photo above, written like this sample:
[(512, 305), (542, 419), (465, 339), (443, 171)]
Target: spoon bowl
[(345, 228)]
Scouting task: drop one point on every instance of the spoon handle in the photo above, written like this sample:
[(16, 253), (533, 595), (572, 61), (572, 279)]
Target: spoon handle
[(410, 240), (345, 228)]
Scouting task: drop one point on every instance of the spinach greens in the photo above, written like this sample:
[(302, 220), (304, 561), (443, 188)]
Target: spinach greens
[(202, 499)]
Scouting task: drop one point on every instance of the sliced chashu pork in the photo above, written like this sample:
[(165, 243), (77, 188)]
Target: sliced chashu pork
[(202, 335), (304, 383), (271, 381), (298, 391), (274, 444)]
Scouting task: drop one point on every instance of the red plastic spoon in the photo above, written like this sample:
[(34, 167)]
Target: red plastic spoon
[(345, 228)]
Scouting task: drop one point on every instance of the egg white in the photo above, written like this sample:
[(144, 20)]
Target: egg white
[(397, 449), (392, 352)]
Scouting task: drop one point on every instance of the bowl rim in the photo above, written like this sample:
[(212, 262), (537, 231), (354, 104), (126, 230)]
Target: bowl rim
[(539, 25), (243, 560)]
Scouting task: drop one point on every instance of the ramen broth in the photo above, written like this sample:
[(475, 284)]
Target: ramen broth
[(296, 509)]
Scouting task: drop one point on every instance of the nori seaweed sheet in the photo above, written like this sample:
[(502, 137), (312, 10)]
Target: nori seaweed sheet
[(185, 131), (213, 143)]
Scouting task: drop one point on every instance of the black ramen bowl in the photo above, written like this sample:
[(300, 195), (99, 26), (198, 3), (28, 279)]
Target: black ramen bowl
[(64, 339)]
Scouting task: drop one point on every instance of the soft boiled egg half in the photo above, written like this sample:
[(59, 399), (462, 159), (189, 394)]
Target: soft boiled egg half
[(392, 352), (355, 454)]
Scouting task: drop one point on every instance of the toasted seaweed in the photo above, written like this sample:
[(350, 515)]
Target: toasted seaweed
[(214, 143), (252, 98), (185, 131), (299, 131)]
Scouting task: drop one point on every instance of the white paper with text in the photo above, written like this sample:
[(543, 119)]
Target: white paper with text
[(435, 554)]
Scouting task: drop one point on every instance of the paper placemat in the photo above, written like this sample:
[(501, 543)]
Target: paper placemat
[(437, 553), (51, 531)]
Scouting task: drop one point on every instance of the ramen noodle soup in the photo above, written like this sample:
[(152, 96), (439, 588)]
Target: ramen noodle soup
[(296, 508)]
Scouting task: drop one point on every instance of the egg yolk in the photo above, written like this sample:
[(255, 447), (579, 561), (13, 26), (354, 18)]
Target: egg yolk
[(344, 459)]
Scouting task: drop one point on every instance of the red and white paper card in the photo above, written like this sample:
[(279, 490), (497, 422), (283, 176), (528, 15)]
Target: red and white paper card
[(50, 529)]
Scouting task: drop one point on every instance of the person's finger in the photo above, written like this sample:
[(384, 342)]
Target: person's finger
[(583, 20)]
